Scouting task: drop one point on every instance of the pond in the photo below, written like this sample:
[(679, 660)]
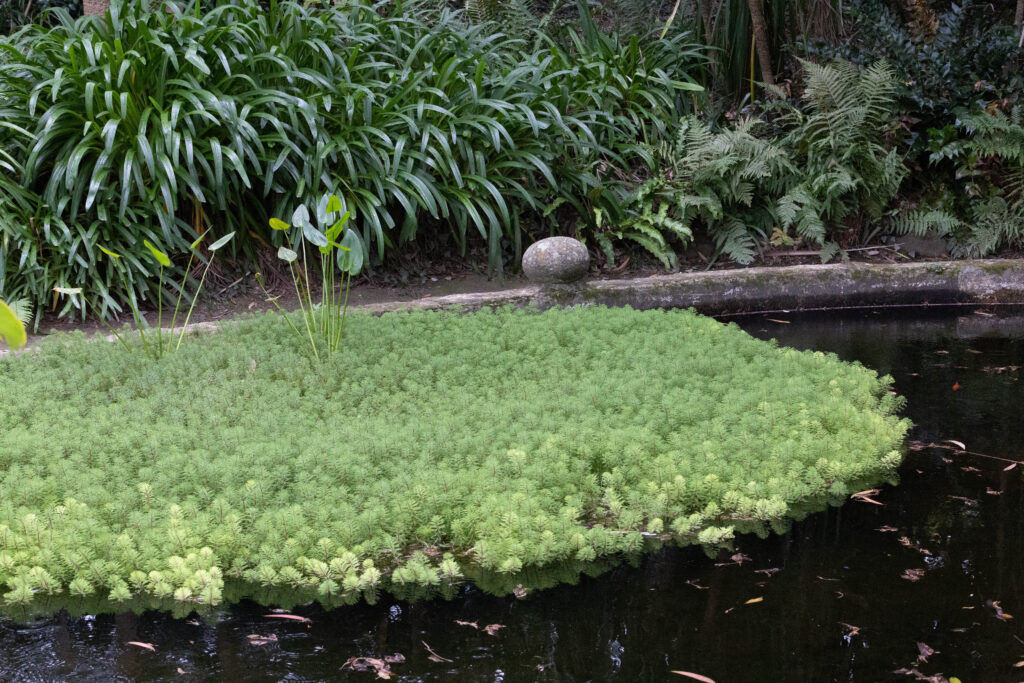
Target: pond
[(923, 579)]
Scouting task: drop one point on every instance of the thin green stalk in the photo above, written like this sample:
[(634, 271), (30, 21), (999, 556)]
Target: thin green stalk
[(135, 313), (104, 321), (305, 315), (160, 315), (184, 325), (181, 292)]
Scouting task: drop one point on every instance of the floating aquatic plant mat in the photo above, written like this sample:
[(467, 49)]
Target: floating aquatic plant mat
[(432, 446)]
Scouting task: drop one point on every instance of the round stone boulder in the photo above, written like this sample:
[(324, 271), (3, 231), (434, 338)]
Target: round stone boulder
[(556, 260)]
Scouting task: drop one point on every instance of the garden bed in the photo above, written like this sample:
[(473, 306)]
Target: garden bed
[(433, 446)]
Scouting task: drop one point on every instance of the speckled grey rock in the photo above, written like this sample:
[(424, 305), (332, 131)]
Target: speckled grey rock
[(556, 260)]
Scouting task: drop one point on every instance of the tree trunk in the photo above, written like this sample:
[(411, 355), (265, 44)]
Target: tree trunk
[(760, 28), (95, 6), (1018, 18)]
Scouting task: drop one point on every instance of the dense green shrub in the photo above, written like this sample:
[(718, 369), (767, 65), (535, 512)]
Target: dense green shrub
[(822, 166), (157, 125), (429, 446)]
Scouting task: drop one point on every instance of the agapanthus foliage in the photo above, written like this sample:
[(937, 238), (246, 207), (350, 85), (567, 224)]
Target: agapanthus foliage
[(431, 446)]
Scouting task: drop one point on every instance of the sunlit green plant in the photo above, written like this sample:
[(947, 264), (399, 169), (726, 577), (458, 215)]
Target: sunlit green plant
[(12, 330), (438, 446), (323, 322), (163, 260)]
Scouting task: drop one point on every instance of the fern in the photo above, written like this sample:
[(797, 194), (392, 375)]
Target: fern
[(922, 222), (844, 167)]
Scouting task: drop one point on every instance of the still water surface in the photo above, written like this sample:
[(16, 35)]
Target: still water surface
[(930, 580)]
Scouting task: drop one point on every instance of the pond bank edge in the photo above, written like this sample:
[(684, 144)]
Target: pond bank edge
[(803, 287)]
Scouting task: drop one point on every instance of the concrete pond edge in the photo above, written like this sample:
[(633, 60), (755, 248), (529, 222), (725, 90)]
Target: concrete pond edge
[(804, 287)]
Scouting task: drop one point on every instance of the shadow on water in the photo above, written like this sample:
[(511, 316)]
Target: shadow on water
[(926, 581)]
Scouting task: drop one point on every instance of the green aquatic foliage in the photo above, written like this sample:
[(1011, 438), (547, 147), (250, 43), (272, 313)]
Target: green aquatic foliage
[(430, 447), (340, 250)]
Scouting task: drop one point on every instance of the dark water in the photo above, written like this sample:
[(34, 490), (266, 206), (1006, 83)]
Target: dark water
[(850, 594)]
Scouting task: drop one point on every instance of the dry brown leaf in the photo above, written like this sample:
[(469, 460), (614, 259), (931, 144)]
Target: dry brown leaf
[(997, 610), (924, 652), (467, 623), (144, 646), (774, 320), (992, 491), (1019, 664), (492, 629), (960, 444), (378, 666), (912, 574), (768, 572), (433, 656), (851, 629), (865, 496), (751, 601), (696, 677), (291, 617), (1009, 467), (969, 468), (396, 658)]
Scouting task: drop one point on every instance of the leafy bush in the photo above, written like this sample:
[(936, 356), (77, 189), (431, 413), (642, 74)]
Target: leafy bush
[(821, 165), (157, 125), (430, 445)]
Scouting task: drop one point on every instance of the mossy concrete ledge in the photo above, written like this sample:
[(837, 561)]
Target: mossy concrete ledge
[(752, 289)]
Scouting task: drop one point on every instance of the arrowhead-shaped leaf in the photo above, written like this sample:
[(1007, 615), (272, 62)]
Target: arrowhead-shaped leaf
[(300, 218), (278, 224), (350, 257), (333, 204), (160, 256), (286, 254), (222, 241)]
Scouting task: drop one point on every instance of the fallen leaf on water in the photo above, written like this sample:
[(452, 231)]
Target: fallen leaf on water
[(1019, 664), (1009, 467), (824, 578), (924, 652), (467, 623), (974, 351), (956, 386), (969, 468), (292, 617), (492, 629), (144, 646), (192, 622), (992, 492), (396, 658), (774, 320), (958, 630), (886, 528), (740, 558), (997, 610), (696, 677), (918, 676), (970, 501), (519, 591), (378, 666), (693, 582), (768, 572), (865, 496), (984, 313), (751, 601), (942, 353), (433, 656), (181, 672), (257, 639), (961, 444), (912, 574), (851, 630), (907, 543)]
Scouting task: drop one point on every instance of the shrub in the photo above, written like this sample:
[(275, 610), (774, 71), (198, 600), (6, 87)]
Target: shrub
[(158, 125), (430, 445)]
